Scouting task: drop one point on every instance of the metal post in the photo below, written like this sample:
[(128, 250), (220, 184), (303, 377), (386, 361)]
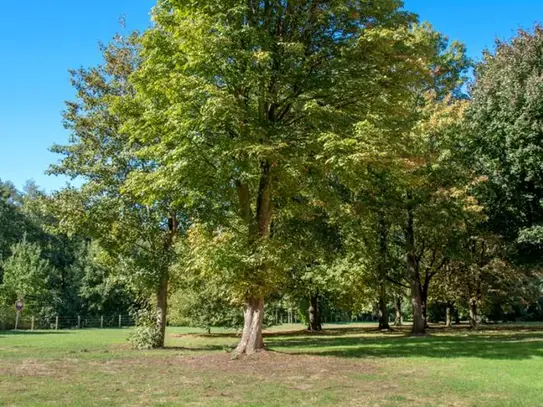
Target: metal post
[(32, 324), (56, 323), (79, 322), (17, 319), (120, 321), (102, 321)]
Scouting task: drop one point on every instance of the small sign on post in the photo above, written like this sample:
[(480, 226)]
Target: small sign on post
[(19, 305)]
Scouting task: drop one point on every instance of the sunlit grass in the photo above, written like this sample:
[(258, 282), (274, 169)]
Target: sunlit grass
[(351, 365)]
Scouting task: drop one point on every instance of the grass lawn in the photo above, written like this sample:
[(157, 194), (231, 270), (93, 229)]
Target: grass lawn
[(349, 365)]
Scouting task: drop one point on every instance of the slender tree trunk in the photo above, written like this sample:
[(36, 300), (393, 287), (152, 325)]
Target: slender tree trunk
[(473, 313), (424, 310), (398, 311), (383, 308), (162, 289), (382, 274), (449, 310), (419, 323), (314, 314), (424, 302), (162, 310), (449, 314)]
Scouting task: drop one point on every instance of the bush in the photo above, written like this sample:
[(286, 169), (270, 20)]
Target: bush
[(147, 333)]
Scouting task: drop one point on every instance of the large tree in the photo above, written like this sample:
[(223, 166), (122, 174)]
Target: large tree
[(401, 171), (505, 138), (139, 236), (239, 94)]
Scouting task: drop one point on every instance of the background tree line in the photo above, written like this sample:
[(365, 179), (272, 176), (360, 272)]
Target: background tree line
[(53, 273)]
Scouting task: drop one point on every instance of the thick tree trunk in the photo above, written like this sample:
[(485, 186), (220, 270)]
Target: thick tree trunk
[(259, 228), (473, 314), (251, 339), (382, 274), (448, 315), (398, 311), (314, 314), (162, 310), (419, 323)]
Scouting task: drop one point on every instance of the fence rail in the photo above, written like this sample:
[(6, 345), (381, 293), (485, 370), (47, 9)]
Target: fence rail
[(31, 322)]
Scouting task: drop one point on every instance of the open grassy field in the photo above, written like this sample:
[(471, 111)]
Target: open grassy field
[(345, 366)]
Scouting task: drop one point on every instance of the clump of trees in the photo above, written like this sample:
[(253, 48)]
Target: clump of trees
[(328, 155), (55, 274)]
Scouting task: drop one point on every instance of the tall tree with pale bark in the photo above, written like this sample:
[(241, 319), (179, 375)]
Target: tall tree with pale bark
[(239, 96)]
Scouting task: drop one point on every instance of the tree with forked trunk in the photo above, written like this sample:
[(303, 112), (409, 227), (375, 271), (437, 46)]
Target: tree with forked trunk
[(239, 99), (399, 170)]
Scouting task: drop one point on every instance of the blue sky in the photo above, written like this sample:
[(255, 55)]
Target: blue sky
[(41, 40)]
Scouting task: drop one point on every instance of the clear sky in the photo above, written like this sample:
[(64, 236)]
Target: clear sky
[(41, 40)]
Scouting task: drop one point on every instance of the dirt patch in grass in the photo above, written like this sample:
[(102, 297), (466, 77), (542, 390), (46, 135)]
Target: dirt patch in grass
[(276, 363), (37, 368), (297, 372), (215, 379)]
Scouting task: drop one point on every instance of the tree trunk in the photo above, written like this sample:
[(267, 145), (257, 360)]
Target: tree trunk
[(162, 310), (419, 323), (314, 314), (382, 274), (448, 315), (162, 289), (259, 228), (383, 308), (473, 314), (398, 311), (251, 339), (424, 303)]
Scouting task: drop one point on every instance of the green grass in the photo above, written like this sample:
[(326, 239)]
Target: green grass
[(347, 365)]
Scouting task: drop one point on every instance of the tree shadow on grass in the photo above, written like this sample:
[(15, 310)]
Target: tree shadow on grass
[(339, 331), (206, 348), (517, 344)]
